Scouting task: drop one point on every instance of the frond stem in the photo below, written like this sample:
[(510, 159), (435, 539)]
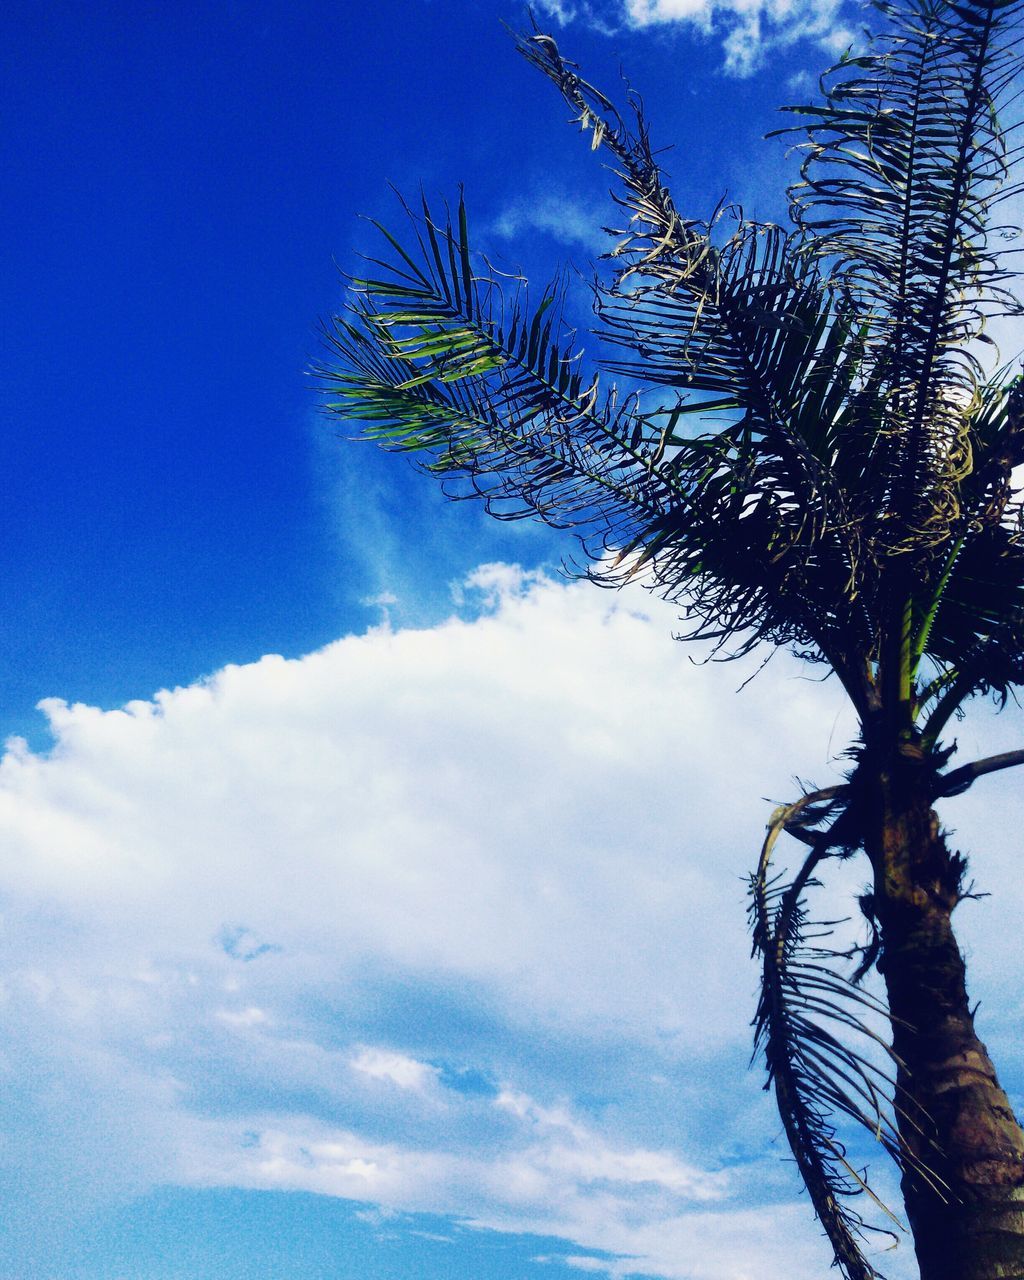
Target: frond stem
[(957, 782)]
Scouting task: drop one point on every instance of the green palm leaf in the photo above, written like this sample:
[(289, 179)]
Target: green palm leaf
[(435, 360)]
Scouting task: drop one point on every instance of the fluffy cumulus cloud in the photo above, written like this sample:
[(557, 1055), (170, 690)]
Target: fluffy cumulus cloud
[(747, 29), (445, 921)]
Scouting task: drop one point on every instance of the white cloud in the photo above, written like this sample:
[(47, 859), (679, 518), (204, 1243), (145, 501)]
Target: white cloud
[(581, 1155), (395, 1068), (251, 1016), (748, 29), (452, 918), (645, 1211), (547, 1157), (558, 215), (541, 750)]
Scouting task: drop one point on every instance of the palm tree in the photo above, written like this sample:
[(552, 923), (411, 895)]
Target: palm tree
[(854, 500)]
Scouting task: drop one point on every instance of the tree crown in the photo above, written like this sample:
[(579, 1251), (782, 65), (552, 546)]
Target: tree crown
[(855, 497)]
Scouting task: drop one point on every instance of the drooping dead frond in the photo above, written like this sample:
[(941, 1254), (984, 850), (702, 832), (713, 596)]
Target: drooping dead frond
[(825, 1061)]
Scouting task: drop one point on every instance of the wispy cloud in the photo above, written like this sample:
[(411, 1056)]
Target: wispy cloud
[(640, 1211), (558, 215), (396, 1069), (748, 30)]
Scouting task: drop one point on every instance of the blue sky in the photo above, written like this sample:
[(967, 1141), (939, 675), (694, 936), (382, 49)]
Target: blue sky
[(372, 900), (180, 185)]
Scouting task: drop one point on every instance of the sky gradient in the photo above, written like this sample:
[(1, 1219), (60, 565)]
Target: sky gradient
[(372, 898)]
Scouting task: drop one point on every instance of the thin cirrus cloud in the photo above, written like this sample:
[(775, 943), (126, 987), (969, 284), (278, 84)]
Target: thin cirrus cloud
[(746, 29), (559, 215), (445, 920)]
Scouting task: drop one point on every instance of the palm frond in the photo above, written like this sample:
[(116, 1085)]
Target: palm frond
[(824, 1060), (743, 326), (905, 161), (970, 617), (437, 359), (739, 326)]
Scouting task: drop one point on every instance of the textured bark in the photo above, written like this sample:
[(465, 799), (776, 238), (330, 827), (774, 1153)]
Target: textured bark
[(958, 1120)]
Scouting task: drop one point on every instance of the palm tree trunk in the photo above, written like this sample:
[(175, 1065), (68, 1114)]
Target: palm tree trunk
[(955, 1118)]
